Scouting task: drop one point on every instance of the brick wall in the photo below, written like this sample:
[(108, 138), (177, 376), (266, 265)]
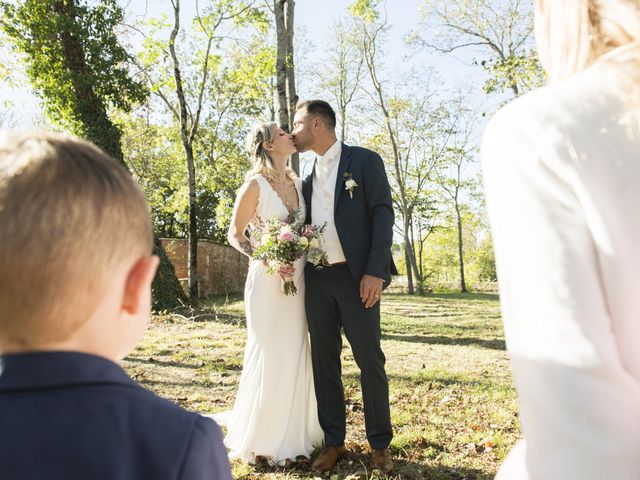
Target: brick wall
[(221, 269)]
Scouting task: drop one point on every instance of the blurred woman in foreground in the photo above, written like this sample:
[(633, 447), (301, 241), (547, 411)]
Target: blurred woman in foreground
[(562, 179)]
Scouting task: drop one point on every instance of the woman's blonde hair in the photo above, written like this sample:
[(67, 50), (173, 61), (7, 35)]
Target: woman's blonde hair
[(573, 34), (261, 134)]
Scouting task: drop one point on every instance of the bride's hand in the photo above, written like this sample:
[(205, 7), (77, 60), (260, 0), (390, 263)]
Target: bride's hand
[(286, 271)]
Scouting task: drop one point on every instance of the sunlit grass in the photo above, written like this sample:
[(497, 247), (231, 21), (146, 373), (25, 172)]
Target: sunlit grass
[(452, 402)]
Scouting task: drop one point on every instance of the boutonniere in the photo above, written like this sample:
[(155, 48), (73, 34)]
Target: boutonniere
[(349, 183)]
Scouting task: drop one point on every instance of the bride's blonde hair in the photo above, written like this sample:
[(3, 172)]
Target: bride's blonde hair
[(261, 134), (573, 34)]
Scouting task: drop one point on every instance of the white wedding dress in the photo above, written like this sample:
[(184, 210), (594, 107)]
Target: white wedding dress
[(275, 412)]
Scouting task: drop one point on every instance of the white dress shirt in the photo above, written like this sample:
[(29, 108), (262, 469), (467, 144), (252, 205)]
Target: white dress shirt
[(322, 200), (562, 178)]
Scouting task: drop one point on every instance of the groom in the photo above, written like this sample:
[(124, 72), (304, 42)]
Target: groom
[(347, 189)]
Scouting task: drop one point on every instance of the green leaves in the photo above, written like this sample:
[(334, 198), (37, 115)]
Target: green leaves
[(75, 63), (523, 69), (367, 10), (503, 30)]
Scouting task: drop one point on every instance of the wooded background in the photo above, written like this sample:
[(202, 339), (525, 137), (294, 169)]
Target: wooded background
[(172, 96)]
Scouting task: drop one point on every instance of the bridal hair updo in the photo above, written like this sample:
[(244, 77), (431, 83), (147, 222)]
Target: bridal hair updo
[(573, 34), (262, 164)]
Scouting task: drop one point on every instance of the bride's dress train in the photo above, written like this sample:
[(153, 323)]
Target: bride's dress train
[(275, 412)]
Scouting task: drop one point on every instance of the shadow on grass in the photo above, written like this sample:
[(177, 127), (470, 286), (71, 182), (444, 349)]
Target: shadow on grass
[(207, 314), (447, 296), (493, 344), (465, 296), (401, 382), (164, 383), (215, 308), (220, 365), (447, 473), (162, 363)]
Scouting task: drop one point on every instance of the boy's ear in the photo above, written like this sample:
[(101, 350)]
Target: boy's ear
[(138, 283)]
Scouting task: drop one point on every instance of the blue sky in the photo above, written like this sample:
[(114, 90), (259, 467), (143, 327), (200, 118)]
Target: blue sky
[(314, 19)]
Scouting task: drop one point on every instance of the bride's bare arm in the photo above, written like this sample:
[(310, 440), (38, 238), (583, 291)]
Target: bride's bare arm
[(243, 211)]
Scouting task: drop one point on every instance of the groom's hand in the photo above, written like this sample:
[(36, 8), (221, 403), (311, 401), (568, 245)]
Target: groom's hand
[(370, 290)]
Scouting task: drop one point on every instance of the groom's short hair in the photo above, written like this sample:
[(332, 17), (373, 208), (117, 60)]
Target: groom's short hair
[(321, 109), (70, 215)]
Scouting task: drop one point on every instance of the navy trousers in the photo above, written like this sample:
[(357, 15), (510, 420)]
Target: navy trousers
[(333, 304)]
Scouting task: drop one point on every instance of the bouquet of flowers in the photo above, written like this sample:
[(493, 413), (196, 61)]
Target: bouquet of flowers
[(282, 243)]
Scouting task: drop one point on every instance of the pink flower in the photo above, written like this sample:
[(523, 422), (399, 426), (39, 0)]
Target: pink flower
[(309, 231), (286, 236)]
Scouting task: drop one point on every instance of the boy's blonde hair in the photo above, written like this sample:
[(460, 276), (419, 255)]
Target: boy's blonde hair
[(69, 214)]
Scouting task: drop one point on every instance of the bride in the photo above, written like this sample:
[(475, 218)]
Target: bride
[(275, 414)]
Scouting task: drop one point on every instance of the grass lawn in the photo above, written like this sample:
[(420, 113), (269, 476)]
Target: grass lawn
[(453, 405)]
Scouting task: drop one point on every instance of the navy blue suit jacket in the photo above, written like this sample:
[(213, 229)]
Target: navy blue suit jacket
[(364, 221), (66, 415)]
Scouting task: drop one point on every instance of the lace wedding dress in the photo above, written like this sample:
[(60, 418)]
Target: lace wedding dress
[(275, 412)]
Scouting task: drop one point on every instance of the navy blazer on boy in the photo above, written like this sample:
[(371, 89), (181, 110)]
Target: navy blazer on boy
[(67, 415), (364, 219)]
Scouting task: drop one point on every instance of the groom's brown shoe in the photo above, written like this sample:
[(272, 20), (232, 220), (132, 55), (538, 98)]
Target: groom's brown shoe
[(328, 458), (381, 460)]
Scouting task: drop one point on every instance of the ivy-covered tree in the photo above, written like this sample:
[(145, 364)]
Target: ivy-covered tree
[(76, 64), (79, 69)]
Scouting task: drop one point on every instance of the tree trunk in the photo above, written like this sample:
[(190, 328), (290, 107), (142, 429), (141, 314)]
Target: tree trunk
[(89, 108), (514, 87), (193, 226), (343, 96), (414, 263), (272, 102), (281, 64), (188, 148), (342, 101), (285, 71), (292, 96), (463, 285), (407, 254), (407, 260), (420, 251)]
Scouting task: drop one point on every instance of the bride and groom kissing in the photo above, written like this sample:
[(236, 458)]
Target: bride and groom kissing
[(291, 396)]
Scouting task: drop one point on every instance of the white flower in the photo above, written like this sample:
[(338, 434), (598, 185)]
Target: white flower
[(314, 243), (349, 184), (315, 256), (304, 241), (266, 238)]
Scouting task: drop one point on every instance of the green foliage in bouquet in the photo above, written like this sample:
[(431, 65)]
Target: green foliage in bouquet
[(280, 244)]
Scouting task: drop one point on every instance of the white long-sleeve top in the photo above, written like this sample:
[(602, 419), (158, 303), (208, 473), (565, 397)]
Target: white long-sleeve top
[(562, 178)]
